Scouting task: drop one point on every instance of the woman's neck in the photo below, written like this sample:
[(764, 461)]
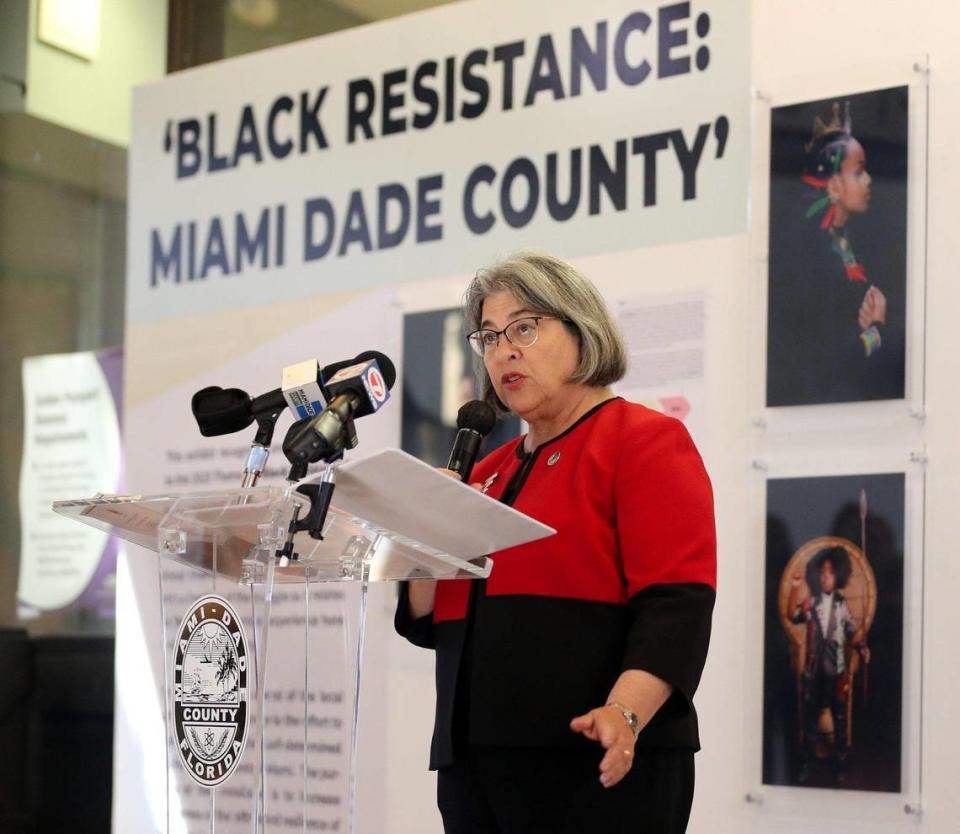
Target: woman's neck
[(547, 428)]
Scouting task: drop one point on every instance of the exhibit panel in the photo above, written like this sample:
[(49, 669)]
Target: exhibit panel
[(585, 132)]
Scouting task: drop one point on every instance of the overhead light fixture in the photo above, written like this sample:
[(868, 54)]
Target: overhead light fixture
[(70, 25)]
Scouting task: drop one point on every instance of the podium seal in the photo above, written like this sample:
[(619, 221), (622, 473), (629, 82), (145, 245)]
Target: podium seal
[(210, 708)]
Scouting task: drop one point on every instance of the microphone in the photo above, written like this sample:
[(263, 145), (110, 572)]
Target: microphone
[(366, 380), (475, 420), (221, 411), (354, 389), (302, 388)]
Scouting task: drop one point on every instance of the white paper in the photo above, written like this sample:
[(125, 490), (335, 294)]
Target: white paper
[(666, 349), (399, 492)]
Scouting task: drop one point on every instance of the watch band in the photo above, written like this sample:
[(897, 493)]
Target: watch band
[(630, 716)]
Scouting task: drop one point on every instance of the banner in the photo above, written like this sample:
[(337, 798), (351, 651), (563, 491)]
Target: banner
[(416, 147), (71, 448)]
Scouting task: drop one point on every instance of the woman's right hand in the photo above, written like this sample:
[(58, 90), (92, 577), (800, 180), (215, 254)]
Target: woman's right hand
[(420, 597), (456, 476)]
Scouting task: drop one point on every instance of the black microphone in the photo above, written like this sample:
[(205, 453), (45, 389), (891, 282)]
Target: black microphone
[(366, 380), (221, 410), (355, 389), (475, 420)]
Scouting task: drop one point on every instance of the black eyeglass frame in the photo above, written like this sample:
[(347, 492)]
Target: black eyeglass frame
[(478, 347)]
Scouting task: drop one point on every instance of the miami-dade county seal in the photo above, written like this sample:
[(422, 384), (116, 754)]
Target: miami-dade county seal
[(210, 704)]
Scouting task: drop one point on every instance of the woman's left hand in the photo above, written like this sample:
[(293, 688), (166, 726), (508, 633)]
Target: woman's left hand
[(608, 726)]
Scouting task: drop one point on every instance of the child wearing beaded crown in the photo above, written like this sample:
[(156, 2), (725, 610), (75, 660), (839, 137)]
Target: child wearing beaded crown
[(837, 171)]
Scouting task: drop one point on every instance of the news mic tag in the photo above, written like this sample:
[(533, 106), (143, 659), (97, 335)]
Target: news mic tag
[(369, 374), (376, 385), (301, 389)]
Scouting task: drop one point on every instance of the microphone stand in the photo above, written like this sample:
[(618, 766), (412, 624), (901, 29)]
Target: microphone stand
[(320, 492), (267, 410)]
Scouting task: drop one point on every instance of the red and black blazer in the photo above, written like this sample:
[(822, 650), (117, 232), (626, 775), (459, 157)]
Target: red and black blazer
[(628, 582)]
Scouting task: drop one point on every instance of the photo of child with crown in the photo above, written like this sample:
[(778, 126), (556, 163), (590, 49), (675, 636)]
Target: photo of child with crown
[(836, 310)]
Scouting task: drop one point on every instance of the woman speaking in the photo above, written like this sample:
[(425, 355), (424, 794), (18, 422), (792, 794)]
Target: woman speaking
[(565, 680)]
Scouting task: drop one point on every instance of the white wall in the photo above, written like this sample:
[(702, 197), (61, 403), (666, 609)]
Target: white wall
[(823, 38)]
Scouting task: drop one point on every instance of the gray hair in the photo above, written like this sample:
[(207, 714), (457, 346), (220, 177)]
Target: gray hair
[(546, 284)]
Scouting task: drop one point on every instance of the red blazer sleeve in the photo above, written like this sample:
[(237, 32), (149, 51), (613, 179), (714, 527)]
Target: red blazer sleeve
[(667, 538)]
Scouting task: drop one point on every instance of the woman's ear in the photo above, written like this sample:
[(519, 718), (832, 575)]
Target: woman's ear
[(833, 188)]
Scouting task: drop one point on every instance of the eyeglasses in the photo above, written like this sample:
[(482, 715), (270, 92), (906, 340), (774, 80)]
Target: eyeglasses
[(520, 332)]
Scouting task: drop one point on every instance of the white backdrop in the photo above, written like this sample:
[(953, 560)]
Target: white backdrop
[(233, 321)]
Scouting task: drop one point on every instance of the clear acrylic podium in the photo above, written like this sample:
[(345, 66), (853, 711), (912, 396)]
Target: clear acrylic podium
[(263, 738)]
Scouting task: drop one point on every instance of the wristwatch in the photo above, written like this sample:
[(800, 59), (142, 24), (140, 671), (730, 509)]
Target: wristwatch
[(631, 717)]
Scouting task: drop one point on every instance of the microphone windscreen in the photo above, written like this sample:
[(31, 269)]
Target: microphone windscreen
[(477, 416), (328, 371), (221, 410), (387, 368)]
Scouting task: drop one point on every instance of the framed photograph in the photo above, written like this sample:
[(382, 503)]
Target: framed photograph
[(833, 670), (438, 377), (837, 249)]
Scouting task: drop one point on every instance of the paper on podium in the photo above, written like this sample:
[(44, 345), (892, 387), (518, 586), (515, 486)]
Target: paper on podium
[(395, 490)]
